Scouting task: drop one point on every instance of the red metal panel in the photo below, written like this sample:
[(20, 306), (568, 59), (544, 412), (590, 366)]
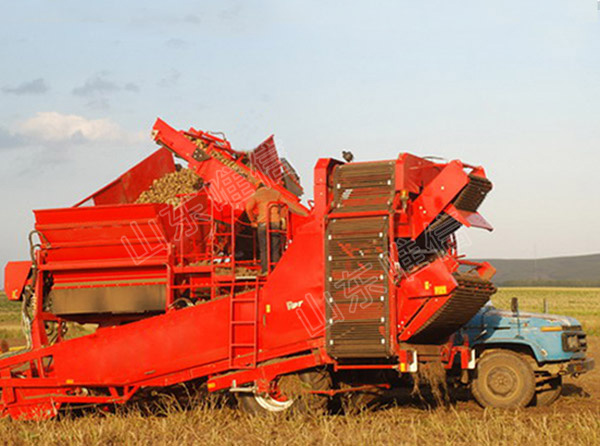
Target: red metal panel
[(265, 158), (412, 172), (266, 373), (322, 194), (225, 187), (292, 304), (422, 293), (15, 278), (468, 219), (128, 187), (169, 137), (436, 196), (133, 232), (162, 344)]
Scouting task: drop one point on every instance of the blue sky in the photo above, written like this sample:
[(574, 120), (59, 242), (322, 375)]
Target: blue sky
[(511, 85)]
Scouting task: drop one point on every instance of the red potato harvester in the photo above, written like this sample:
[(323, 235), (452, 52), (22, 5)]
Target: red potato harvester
[(368, 288)]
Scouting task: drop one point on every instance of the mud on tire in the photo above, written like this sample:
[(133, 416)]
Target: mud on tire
[(503, 379)]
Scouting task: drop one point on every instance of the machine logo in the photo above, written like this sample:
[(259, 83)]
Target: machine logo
[(293, 305)]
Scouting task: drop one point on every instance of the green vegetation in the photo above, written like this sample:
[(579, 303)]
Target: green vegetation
[(581, 303), (10, 319), (8, 306)]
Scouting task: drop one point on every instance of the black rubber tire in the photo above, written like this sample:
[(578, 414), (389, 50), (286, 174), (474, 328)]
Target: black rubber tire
[(503, 379), (547, 396), (316, 379), (356, 402)]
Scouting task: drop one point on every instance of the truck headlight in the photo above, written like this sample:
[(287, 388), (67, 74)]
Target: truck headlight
[(570, 342)]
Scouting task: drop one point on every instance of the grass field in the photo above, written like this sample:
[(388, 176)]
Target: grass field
[(581, 303), (573, 420)]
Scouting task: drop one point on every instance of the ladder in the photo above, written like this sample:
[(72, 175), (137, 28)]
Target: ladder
[(243, 328)]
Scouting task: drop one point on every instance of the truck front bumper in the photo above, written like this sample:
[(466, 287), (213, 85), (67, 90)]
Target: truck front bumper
[(578, 366)]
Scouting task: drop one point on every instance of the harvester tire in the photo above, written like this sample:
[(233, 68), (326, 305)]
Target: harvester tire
[(547, 396), (504, 379), (360, 401), (297, 400)]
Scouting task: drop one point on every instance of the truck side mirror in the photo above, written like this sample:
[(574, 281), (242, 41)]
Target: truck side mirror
[(514, 305)]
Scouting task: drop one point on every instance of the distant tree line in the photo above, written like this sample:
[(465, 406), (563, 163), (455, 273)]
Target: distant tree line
[(551, 283)]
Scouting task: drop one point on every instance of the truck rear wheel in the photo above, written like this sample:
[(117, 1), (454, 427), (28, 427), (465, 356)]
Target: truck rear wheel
[(549, 393), (291, 392), (503, 379)]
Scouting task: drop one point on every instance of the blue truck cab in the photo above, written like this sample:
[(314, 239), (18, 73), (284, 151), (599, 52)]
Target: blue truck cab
[(521, 358)]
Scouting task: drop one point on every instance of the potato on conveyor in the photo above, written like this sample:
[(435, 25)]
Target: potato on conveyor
[(167, 188)]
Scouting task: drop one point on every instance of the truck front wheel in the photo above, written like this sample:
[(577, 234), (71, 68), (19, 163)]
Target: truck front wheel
[(503, 379)]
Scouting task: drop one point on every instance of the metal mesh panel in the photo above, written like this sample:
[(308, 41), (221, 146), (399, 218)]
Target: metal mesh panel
[(466, 300), (363, 186), (357, 287), (473, 194)]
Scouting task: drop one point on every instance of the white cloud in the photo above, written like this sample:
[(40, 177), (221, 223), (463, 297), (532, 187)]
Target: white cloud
[(57, 127)]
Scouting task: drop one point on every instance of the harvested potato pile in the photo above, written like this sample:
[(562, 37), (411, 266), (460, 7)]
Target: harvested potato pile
[(225, 269), (166, 189)]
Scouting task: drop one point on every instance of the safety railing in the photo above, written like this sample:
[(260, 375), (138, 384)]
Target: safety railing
[(205, 260), (282, 231)]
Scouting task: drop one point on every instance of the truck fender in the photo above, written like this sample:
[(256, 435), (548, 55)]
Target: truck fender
[(523, 348)]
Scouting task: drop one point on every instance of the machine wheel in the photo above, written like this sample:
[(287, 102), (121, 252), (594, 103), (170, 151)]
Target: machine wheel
[(355, 402), (288, 394), (550, 393), (256, 404), (504, 379)]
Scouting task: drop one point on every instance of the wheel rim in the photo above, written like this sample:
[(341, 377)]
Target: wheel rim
[(502, 382), (273, 403)]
